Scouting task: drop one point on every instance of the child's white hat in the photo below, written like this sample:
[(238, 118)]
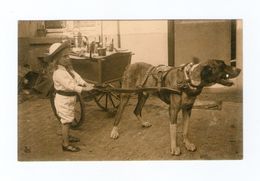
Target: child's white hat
[(56, 48)]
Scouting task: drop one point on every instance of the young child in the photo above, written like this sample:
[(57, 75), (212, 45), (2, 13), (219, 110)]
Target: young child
[(67, 84)]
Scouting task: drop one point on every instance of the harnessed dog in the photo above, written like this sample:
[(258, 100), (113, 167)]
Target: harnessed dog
[(188, 79)]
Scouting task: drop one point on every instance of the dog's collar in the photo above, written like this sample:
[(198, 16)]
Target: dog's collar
[(188, 69)]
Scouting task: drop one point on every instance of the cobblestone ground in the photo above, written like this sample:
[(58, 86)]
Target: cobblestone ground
[(217, 133)]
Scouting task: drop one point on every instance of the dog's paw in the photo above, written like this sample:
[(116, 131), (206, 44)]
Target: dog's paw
[(190, 146), (146, 124), (114, 133), (176, 151)]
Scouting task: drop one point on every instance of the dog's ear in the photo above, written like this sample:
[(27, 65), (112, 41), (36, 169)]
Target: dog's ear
[(195, 60), (206, 72)]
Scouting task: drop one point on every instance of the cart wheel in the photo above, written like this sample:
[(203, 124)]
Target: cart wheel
[(79, 110), (108, 100)]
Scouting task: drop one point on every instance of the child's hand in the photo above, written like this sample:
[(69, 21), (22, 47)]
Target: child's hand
[(88, 87)]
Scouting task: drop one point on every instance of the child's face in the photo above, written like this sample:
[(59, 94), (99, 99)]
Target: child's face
[(64, 58)]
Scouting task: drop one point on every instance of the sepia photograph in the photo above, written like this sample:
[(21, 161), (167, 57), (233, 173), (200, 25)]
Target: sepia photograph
[(130, 90)]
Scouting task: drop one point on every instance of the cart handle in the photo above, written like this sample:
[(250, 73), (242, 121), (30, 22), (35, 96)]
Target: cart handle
[(138, 90)]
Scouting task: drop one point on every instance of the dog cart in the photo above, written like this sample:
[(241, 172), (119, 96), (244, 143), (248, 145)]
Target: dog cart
[(99, 70)]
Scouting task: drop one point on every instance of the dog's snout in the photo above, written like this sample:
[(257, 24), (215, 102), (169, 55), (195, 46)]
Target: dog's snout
[(234, 72), (237, 70)]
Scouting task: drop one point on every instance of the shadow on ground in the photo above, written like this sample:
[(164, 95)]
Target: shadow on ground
[(217, 133)]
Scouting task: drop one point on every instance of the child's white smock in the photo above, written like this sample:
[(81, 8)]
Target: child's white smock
[(65, 105)]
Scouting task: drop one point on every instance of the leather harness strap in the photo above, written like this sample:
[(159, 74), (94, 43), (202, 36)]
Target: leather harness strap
[(146, 75), (188, 69), (158, 73)]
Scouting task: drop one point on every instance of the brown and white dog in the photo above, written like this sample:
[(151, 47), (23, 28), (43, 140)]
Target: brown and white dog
[(188, 79)]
